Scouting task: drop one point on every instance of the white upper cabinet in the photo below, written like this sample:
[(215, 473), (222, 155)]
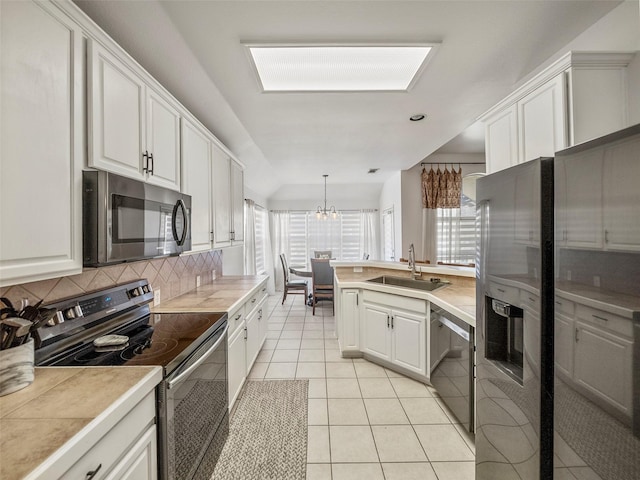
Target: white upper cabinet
[(41, 143), (163, 142), (237, 202), (621, 196), (541, 120), (501, 140), (558, 108), (228, 200), (221, 198), (133, 131), (196, 181)]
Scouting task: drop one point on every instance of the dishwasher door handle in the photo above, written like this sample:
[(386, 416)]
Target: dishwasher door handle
[(199, 361)]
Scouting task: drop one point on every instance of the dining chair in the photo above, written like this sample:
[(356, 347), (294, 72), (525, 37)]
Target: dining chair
[(322, 278), (292, 286), (322, 253)]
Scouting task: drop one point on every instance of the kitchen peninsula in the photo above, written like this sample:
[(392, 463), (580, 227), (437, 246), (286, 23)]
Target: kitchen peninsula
[(357, 299)]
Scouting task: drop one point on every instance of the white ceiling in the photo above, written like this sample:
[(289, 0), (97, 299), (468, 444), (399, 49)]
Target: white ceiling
[(195, 49)]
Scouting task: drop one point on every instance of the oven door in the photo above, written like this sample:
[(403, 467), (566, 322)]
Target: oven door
[(193, 412)]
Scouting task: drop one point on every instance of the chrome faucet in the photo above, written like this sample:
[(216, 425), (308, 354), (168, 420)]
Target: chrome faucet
[(412, 262)]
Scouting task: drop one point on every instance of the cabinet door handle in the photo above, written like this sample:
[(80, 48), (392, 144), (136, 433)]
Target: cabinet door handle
[(577, 335), (387, 320), (606, 236), (93, 473), (145, 157), (600, 318), (151, 163), (391, 321), (245, 333), (357, 300)]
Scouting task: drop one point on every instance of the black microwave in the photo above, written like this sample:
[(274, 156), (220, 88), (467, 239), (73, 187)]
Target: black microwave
[(126, 220)]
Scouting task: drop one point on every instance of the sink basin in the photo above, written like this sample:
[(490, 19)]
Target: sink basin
[(428, 285)]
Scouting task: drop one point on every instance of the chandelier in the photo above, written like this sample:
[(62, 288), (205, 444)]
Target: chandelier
[(323, 212)]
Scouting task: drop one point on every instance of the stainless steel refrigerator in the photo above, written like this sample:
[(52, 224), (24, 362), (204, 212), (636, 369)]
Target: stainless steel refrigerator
[(558, 315)]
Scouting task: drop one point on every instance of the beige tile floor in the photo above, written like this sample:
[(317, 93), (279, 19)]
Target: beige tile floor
[(365, 421)]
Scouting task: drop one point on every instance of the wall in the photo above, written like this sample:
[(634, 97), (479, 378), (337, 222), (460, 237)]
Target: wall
[(172, 276), (412, 196), (310, 196), (391, 196)]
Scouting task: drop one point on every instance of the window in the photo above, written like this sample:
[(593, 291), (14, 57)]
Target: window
[(341, 235), (456, 233), (261, 239), (388, 241)]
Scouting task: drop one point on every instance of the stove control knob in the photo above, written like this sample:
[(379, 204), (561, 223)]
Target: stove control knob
[(134, 292), (145, 288), (56, 319), (70, 313), (78, 311)]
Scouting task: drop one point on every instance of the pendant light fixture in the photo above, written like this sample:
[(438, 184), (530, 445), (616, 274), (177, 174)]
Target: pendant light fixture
[(323, 212)]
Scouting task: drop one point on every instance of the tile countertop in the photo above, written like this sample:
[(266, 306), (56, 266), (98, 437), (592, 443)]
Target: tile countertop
[(223, 295), (63, 413), (613, 302), (459, 298)]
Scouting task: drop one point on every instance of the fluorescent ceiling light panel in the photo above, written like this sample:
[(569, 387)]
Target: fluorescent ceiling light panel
[(338, 68)]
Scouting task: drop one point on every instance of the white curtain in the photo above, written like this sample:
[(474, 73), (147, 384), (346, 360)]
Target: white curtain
[(369, 234), (429, 235), (249, 237), (280, 229), (269, 259)]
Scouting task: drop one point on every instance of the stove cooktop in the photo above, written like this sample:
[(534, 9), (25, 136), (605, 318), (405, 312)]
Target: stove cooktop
[(154, 339)]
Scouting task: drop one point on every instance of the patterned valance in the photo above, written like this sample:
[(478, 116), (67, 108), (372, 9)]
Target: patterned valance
[(441, 189)]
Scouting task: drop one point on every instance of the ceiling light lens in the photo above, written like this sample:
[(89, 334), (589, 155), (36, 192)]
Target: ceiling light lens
[(417, 117), (338, 68)]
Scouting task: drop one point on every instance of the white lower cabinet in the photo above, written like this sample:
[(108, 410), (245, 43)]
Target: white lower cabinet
[(127, 451), (563, 341), (141, 462), (348, 320), (439, 343), (603, 364), (395, 335), (248, 330), (376, 327), (408, 341), (237, 363)]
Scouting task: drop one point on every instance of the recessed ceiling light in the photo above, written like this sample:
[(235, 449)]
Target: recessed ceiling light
[(417, 117), (338, 68)]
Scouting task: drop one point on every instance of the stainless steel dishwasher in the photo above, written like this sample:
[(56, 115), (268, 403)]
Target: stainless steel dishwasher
[(452, 347)]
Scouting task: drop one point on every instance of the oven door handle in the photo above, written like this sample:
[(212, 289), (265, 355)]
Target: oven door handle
[(198, 362)]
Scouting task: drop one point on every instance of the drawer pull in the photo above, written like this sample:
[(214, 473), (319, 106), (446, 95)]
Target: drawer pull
[(264, 289), (501, 290), (558, 303), (253, 300), (238, 317), (600, 318), (93, 473), (531, 300)]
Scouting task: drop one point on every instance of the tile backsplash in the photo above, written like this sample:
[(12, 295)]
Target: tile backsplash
[(172, 275)]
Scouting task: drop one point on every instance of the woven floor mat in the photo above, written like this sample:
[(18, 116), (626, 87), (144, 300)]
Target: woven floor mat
[(268, 433)]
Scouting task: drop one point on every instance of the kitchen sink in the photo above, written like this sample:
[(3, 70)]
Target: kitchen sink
[(428, 285)]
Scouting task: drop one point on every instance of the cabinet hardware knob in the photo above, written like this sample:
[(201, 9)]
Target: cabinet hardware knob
[(93, 473)]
